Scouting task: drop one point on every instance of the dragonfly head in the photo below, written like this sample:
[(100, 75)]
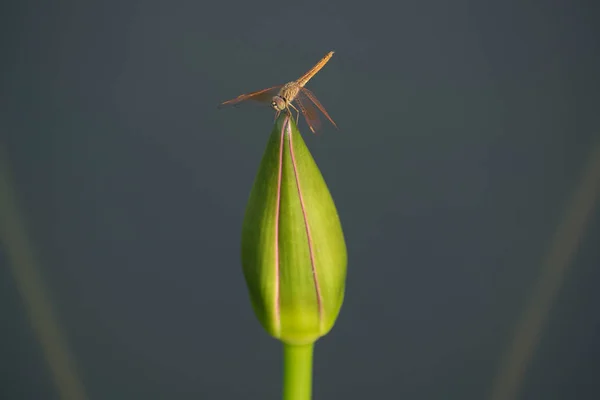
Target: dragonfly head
[(278, 103)]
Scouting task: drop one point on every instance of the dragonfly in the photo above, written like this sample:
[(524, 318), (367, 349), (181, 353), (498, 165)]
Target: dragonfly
[(282, 97)]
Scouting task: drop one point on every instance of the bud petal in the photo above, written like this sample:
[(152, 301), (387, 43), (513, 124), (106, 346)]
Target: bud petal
[(293, 250)]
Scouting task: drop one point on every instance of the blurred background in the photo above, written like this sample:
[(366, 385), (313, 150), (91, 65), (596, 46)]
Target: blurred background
[(465, 173)]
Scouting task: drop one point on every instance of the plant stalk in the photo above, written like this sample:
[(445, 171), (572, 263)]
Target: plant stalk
[(297, 371)]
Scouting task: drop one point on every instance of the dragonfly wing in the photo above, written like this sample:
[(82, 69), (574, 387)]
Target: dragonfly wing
[(314, 99), (310, 113), (263, 96)]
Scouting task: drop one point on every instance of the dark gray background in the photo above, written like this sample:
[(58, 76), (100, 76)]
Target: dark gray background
[(464, 128)]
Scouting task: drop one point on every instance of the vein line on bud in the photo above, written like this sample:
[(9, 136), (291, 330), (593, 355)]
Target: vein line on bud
[(277, 213), (287, 127)]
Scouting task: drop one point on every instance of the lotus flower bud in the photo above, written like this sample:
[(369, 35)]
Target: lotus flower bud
[(293, 250)]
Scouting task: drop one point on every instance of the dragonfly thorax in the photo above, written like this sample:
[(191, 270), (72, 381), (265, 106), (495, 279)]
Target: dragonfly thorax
[(278, 103)]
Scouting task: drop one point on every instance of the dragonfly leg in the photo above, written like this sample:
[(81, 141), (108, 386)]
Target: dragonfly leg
[(297, 112)]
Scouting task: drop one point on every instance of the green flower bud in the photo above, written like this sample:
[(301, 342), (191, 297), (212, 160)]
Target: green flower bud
[(293, 250)]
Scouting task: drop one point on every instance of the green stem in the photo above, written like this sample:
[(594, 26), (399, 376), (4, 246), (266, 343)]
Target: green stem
[(297, 371)]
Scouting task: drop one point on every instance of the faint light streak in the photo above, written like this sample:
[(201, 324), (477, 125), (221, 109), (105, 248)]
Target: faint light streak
[(25, 269), (563, 247)]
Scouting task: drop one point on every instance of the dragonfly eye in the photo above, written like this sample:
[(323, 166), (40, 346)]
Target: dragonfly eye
[(278, 103)]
